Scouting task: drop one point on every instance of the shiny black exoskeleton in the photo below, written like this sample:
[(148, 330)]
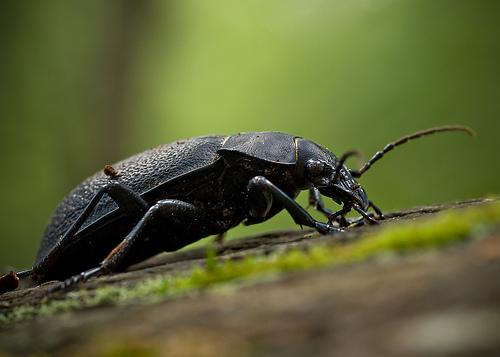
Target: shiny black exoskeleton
[(170, 196)]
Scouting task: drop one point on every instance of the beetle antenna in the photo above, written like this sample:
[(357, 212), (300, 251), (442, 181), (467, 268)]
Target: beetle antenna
[(341, 162), (379, 154)]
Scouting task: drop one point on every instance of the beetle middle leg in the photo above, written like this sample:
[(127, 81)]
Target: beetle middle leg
[(179, 218), (260, 196)]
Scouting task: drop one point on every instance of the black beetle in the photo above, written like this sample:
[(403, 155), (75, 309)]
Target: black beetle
[(168, 197)]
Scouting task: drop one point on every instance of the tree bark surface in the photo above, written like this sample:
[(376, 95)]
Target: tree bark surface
[(439, 303)]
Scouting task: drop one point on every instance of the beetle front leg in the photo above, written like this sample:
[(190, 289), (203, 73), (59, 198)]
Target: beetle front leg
[(367, 217), (377, 210), (262, 192), (316, 201)]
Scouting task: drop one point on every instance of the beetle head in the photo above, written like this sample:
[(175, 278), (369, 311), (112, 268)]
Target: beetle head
[(320, 168), (339, 186)]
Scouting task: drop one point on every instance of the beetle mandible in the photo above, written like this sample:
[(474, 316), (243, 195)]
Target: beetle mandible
[(168, 197)]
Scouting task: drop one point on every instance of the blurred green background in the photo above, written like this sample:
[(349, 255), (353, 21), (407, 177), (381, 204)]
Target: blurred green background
[(85, 83)]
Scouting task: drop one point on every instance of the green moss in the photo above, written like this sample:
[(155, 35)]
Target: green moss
[(126, 349), (440, 230)]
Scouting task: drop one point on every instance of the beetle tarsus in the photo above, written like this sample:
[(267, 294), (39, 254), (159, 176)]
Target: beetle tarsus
[(76, 279)]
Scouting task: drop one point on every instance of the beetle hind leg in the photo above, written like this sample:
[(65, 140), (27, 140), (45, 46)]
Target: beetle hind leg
[(128, 201), (179, 217)]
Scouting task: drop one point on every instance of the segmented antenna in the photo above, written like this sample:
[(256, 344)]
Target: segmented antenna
[(379, 154)]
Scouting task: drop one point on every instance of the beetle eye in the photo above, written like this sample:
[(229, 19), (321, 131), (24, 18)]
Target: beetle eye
[(315, 168)]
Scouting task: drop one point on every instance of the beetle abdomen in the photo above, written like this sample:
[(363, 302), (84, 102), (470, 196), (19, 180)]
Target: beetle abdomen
[(141, 172)]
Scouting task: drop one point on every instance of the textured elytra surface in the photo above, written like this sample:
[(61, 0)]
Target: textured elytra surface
[(140, 172)]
